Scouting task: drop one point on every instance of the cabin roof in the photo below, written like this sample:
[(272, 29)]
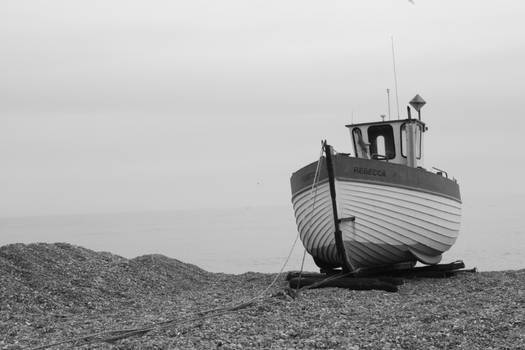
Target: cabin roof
[(387, 122)]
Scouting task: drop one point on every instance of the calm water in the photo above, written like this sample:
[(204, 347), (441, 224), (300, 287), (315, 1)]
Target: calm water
[(258, 239)]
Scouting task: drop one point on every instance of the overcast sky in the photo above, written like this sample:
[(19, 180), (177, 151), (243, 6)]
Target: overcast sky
[(143, 105)]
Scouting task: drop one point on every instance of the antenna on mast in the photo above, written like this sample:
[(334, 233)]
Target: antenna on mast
[(388, 99), (395, 75)]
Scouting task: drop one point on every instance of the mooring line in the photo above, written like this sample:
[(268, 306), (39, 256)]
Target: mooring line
[(313, 199), (114, 335)]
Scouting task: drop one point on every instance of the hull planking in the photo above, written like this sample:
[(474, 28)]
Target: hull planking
[(401, 213)]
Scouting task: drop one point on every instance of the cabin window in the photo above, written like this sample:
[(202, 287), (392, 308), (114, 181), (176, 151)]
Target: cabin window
[(382, 145), (360, 147), (404, 139), (418, 141)]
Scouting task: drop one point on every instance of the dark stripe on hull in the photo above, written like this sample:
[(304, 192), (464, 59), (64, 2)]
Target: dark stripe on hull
[(380, 173)]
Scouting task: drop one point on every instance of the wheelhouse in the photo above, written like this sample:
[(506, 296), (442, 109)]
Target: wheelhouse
[(395, 141)]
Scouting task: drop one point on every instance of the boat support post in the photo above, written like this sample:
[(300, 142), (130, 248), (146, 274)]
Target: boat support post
[(347, 265)]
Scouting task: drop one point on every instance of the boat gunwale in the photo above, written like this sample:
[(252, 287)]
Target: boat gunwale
[(417, 173)]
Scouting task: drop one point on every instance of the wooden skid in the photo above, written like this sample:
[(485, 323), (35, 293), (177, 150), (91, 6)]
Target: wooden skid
[(370, 279)]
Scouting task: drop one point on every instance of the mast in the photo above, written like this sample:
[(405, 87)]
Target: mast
[(395, 76), (338, 235), (388, 100)]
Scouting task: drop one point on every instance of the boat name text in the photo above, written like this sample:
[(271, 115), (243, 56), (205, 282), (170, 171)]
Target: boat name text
[(369, 171)]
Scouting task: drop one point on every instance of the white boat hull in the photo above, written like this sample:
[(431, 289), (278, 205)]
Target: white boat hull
[(393, 224)]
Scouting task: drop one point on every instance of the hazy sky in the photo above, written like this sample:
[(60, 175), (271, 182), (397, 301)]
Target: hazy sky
[(144, 105)]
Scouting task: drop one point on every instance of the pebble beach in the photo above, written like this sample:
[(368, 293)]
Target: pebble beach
[(74, 297)]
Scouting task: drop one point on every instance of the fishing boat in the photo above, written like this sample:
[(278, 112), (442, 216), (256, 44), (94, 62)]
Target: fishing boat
[(378, 206)]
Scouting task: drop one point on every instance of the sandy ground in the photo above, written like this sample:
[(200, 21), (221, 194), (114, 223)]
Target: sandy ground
[(55, 292)]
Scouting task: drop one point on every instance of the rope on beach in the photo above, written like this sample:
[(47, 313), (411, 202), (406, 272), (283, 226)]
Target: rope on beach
[(313, 199), (114, 335)]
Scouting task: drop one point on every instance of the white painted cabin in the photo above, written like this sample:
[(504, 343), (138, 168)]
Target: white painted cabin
[(393, 141)]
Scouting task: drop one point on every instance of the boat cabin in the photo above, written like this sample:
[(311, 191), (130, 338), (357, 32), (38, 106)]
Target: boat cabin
[(394, 141)]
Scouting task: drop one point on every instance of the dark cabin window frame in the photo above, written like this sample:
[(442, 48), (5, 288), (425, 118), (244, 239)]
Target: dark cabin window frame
[(387, 132), (355, 131), (418, 150)]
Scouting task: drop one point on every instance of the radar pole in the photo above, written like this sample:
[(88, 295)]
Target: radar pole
[(388, 99), (395, 76)]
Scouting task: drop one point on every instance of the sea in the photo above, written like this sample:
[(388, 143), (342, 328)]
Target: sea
[(238, 240)]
